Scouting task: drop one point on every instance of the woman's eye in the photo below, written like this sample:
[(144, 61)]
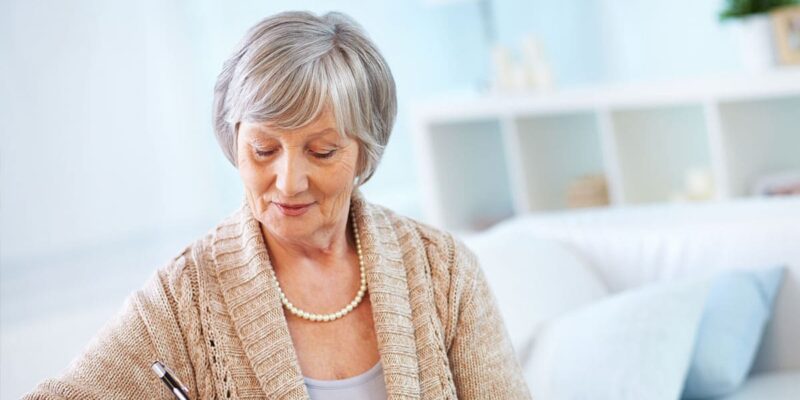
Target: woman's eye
[(324, 155), (264, 153)]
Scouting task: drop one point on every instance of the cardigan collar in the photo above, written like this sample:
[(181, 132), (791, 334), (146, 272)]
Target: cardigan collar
[(252, 299)]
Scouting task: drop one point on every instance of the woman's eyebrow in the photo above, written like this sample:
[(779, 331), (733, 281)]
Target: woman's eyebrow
[(313, 135)]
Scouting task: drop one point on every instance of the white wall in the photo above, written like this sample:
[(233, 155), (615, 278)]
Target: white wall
[(104, 134)]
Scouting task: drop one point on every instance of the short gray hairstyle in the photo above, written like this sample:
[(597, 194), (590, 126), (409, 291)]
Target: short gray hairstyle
[(291, 65)]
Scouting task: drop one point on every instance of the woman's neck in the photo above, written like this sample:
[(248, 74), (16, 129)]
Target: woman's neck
[(325, 248)]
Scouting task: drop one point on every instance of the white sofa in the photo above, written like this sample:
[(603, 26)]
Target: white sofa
[(634, 246)]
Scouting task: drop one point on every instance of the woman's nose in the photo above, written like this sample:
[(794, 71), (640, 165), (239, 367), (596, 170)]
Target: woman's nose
[(292, 175)]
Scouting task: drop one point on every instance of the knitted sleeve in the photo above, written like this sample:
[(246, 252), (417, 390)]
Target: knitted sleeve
[(481, 356), (116, 364)]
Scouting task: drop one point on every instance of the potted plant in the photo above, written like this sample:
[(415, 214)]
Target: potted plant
[(753, 30)]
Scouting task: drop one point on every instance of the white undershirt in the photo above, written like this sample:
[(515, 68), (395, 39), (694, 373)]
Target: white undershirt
[(368, 385)]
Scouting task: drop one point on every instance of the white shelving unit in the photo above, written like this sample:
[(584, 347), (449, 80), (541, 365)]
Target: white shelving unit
[(485, 159)]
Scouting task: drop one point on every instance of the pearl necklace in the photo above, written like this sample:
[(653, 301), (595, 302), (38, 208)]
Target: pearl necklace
[(338, 314)]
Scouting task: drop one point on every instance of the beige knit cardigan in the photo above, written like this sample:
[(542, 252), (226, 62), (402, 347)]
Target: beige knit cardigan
[(214, 316)]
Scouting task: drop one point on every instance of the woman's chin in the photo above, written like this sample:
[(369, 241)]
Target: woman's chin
[(288, 226)]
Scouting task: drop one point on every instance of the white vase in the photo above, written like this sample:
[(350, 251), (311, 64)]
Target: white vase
[(755, 40)]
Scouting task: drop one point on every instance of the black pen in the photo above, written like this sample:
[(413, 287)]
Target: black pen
[(173, 384)]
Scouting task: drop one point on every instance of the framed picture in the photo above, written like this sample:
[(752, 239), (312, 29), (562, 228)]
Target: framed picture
[(786, 22)]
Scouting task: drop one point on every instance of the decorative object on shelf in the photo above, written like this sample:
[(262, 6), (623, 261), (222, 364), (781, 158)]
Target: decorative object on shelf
[(699, 184), (753, 30), (786, 183), (503, 69), (786, 22), (588, 191), (538, 74), (531, 73), (745, 8)]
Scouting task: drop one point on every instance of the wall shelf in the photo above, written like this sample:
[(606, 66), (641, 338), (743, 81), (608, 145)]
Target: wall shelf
[(485, 159)]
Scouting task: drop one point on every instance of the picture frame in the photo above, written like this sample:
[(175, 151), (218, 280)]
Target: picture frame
[(786, 23)]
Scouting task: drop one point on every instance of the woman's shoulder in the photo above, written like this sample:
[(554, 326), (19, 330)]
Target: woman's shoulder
[(437, 240), (196, 257), (172, 282), (177, 281), (449, 258)]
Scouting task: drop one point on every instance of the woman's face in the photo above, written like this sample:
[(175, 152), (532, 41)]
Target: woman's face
[(311, 167)]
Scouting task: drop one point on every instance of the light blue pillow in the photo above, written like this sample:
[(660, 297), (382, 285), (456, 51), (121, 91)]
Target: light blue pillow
[(738, 307)]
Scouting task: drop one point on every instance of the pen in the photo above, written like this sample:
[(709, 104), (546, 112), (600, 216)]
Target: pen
[(173, 384)]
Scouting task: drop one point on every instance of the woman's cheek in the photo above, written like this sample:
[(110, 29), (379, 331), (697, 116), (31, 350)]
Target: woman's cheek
[(254, 176), (342, 176)]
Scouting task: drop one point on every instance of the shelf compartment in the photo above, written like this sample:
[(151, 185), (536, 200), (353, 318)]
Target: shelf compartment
[(657, 148), (471, 176), (760, 137), (554, 151)]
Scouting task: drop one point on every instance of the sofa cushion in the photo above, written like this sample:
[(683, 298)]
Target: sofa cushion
[(784, 385), (632, 345), (738, 306)]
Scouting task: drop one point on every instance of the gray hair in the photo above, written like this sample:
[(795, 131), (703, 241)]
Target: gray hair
[(291, 65)]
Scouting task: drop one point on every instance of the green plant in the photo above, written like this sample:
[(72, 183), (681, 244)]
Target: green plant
[(744, 8)]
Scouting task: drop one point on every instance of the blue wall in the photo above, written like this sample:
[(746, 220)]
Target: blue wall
[(647, 40)]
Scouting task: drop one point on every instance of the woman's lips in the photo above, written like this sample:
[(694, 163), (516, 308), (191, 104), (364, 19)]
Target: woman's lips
[(293, 210)]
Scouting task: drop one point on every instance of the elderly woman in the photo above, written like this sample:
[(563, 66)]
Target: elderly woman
[(307, 290)]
